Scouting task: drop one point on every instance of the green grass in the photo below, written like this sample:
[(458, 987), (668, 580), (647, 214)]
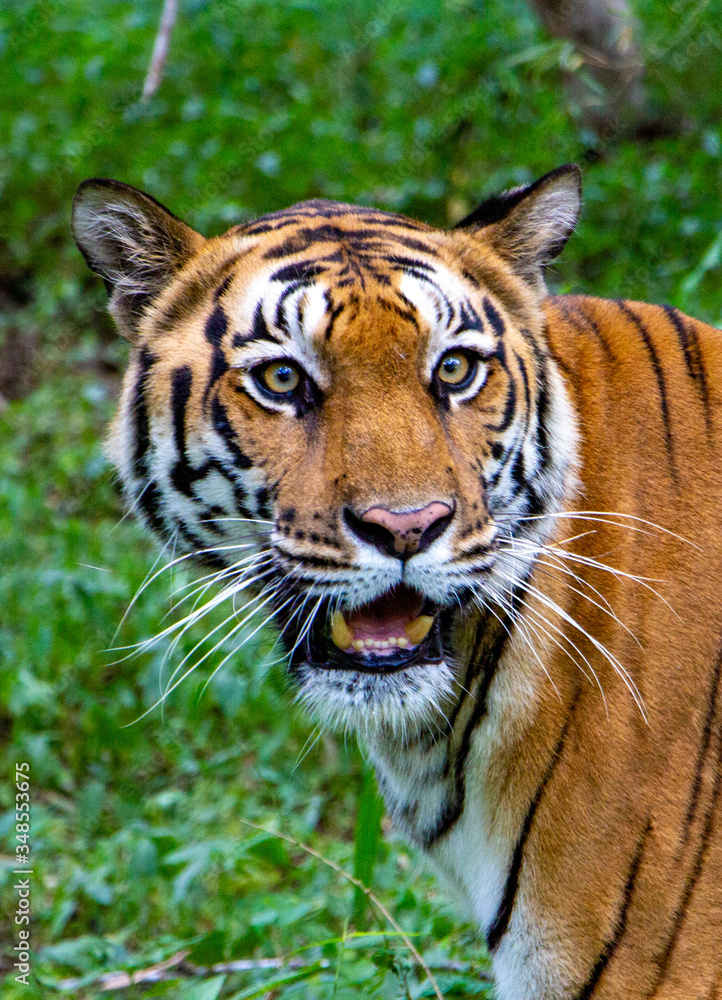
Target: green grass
[(140, 842)]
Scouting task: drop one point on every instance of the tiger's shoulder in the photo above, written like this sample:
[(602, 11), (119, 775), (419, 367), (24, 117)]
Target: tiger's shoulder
[(650, 359)]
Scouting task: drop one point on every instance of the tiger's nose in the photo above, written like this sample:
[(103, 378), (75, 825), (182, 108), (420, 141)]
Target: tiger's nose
[(401, 533)]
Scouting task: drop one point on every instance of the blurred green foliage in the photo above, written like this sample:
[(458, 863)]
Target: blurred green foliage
[(419, 105)]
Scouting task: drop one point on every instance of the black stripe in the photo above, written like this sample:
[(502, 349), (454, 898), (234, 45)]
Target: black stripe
[(620, 924), (363, 241), (448, 306), (396, 309), (574, 313), (240, 497), (302, 240), (219, 367), (193, 294), (280, 315), (222, 426), (470, 319), (418, 273), (182, 475), (394, 219), (333, 313), (509, 409), (689, 343), (518, 473), (525, 379), (659, 375), (487, 663), (531, 343), (223, 287), (139, 412), (198, 547), (302, 271), (694, 874), (259, 330), (488, 624), (149, 501), (324, 208), (702, 755), (216, 327), (209, 516), (494, 317), (316, 561), (500, 923), (542, 417), (411, 244), (409, 262), (262, 501)]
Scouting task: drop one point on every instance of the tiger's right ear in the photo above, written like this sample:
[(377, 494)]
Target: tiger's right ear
[(134, 244)]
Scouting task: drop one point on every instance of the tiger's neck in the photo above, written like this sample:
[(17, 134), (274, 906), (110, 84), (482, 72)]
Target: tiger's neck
[(461, 792)]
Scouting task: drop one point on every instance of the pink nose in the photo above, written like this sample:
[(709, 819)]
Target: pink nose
[(404, 533)]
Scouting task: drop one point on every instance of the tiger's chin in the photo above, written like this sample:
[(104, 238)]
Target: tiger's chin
[(382, 666)]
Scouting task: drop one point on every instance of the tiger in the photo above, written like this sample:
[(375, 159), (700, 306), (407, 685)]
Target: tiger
[(485, 520)]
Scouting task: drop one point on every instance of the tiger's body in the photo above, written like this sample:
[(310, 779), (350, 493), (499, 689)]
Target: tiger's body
[(540, 538)]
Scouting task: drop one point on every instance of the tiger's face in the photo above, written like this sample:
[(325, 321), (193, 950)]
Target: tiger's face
[(352, 416)]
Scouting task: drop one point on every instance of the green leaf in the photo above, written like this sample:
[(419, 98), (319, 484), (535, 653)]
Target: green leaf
[(209, 989), (709, 262), (367, 836), (210, 949)]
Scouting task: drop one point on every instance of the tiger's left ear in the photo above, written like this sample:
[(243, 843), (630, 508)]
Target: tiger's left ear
[(530, 225)]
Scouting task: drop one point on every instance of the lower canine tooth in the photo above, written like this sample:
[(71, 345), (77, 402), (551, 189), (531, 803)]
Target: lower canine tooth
[(340, 632), (418, 629)]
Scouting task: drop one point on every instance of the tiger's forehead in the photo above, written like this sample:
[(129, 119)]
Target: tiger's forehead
[(354, 254), (310, 271)]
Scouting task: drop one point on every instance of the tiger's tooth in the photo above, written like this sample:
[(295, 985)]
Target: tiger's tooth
[(341, 634), (358, 644), (402, 641), (418, 629), (392, 640)]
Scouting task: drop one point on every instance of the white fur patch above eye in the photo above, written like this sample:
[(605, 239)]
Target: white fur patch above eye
[(301, 314)]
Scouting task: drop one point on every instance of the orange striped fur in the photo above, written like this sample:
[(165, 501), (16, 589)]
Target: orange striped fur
[(363, 423)]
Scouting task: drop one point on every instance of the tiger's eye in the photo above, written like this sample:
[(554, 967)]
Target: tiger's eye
[(454, 368), (280, 377)]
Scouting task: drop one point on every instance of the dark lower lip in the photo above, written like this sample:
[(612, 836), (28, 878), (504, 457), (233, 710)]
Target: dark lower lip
[(319, 652)]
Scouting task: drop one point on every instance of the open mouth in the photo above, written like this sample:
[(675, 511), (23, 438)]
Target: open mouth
[(393, 632)]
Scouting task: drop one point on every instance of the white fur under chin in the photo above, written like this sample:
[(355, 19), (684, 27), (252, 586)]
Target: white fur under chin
[(404, 703)]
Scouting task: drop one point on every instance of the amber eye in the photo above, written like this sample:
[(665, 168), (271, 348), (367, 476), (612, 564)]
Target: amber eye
[(456, 369), (280, 378)]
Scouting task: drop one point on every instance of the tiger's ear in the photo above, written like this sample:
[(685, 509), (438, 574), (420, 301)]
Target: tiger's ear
[(134, 244), (530, 225)]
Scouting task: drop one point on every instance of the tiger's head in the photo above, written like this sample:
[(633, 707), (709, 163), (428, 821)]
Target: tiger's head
[(352, 416)]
